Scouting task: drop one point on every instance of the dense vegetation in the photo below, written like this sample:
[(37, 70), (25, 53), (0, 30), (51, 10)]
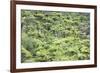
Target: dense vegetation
[(54, 36)]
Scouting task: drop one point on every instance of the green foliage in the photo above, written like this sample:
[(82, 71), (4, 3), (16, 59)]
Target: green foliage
[(25, 55), (54, 36)]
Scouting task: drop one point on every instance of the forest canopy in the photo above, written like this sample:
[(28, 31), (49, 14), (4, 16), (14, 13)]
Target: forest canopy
[(54, 36)]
